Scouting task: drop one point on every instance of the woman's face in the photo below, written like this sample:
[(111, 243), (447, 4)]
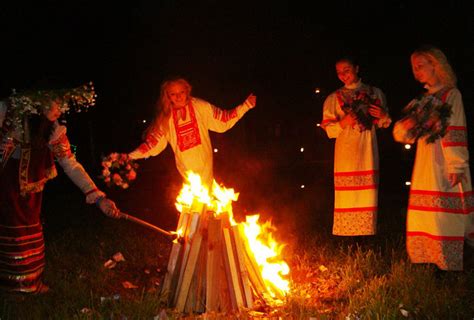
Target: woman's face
[(347, 72), (53, 113), (178, 94), (423, 69)]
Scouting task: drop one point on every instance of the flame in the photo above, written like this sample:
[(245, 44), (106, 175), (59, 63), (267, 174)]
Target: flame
[(192, 194), (179, 234), (267, 253)]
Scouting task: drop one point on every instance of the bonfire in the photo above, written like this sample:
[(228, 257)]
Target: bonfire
[(218, 264)]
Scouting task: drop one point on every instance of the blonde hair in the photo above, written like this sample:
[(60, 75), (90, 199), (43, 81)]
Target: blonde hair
[(438, 59), (164, 105)]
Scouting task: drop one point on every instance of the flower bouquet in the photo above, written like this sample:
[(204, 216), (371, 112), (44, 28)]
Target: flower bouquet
[(430, 115), (118, 170), (358, 106)]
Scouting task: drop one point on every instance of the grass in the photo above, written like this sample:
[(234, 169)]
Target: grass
[(331, 277)]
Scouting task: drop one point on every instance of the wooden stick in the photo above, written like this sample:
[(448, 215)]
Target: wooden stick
[(189, 266), (243, 267), (170, 282), (190, 232), (233, 269), (212, 264), (253, 269)]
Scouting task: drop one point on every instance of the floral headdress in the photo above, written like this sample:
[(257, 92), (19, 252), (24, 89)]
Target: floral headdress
[(32, 102)]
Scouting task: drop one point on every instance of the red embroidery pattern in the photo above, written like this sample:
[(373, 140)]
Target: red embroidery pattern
[(32, 187), (327, 122), (187, 131), (356, 180), (150, 141), (355, 221), (61, 148), (447, 254), (450, 202), (224, 115), (456, 136)]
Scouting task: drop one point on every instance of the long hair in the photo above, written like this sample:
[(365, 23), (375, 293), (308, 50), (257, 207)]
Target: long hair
[(164, 105), (40, 130), (438, 59)]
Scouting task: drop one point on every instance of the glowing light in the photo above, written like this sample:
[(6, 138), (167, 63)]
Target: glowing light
[(302, 186), (267, 255), (144, 121), (216, 150), (318, 124), (407, 183), (317, 90), (408, 146), (301, 149)]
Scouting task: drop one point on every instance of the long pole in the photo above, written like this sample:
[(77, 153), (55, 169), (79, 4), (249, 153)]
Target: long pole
[(146, 224)]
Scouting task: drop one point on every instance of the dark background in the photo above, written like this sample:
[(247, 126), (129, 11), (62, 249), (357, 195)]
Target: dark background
[(281, 51)]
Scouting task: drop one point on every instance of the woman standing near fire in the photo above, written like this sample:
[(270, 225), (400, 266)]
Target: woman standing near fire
[(31, 139), (184, 122), (350, 115), (441, 203)]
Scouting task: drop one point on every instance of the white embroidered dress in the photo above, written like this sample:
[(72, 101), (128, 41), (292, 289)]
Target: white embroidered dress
[(440, 217), (356, 164)]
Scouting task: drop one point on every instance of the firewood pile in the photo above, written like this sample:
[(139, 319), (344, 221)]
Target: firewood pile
[(213, 268)]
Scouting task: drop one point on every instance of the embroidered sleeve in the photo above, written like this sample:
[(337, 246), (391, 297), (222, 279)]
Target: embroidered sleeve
[(153, 144), (400, 131), (455, 141), (59, 142), (385, 121), (221, 120), (331, 118)]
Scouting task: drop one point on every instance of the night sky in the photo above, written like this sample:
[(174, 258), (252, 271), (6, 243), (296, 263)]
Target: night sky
[(279, 50)]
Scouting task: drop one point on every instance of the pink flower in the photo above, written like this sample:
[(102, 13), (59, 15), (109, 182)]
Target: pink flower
[(131, 175), (114, 156), (116, 178)]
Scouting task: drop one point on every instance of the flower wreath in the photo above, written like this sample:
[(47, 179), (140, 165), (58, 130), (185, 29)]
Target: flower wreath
[(31, 103), (118, 170), (430, 115)]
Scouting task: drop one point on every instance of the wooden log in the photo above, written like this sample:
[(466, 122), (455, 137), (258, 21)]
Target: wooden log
[(170, 280), (193, 224), (190, 261), (213, 264), (188, 272), (240, 250), (253, 269), (233, 269), (195, 301)]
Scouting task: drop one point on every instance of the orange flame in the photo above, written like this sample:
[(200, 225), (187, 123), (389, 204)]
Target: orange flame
[(267, 253)]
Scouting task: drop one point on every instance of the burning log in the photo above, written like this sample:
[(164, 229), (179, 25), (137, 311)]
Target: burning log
[(214, 269)]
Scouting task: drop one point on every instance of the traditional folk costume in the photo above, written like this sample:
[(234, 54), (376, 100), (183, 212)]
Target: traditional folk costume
[(440, 217), (356, 167), (24, 170), (188, 135)]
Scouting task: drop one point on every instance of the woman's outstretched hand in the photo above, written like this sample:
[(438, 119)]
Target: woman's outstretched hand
[(251, 100)]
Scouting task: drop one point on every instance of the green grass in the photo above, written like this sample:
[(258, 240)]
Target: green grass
[(331, 278)]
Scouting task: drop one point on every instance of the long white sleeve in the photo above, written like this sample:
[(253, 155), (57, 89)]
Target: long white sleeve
[(61, 148)]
